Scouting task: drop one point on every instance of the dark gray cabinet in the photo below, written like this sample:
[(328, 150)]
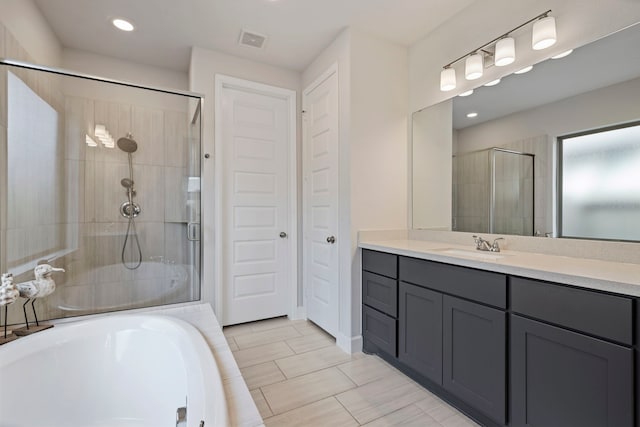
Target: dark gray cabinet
[(564, 378), (505, 350), (380, 302), (420, 330), (474, 355)]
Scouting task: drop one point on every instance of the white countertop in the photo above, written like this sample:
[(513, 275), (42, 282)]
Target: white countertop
[(616, 277)]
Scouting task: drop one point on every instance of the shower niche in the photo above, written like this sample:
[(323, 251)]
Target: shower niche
[(103, 181)]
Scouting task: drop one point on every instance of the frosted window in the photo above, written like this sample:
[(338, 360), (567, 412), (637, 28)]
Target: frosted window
[(600, 184)]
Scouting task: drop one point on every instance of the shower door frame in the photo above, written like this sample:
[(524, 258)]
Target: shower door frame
[(198, 98), (492, 189)]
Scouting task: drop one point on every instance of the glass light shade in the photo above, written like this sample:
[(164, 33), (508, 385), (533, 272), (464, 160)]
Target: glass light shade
[(466, 93), (505, 51), (544, 33), (492, 82), (473, 67), (447, 79)]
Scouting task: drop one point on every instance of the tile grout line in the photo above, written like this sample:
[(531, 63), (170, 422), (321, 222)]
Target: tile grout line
[(267, 402), (335, 396)]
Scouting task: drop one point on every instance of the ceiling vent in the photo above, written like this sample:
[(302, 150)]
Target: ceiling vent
[(252, 39)]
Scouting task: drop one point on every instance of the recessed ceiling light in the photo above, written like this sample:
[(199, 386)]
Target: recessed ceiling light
[(563, 54), (122, 24), (472, 115), (524, 70), (467, 93), (493, 82)]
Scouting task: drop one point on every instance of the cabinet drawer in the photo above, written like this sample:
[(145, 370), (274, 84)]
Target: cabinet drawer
[(380, 263), (380, 292), (605, 316), (379, 329), (482, 286)]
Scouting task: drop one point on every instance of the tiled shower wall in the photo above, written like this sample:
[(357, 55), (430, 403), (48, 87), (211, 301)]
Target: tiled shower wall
[(471, 186), (87, 228)]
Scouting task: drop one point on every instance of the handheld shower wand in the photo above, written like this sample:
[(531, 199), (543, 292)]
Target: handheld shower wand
[(129, 209)]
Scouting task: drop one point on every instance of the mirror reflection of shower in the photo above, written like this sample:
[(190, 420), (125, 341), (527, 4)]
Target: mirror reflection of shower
[(129, 209)]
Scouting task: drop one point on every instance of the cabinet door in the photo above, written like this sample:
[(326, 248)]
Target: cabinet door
[(420, 330), (474, 355), (563, 378)]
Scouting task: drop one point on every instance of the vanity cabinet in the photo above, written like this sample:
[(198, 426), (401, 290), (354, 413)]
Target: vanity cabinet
[(474, 355), (380, 302), (571, 360), (420, 330), (451, 330), (506, 350)]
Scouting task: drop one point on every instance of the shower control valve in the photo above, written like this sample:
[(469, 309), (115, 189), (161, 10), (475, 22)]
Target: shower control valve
[(129, 210)]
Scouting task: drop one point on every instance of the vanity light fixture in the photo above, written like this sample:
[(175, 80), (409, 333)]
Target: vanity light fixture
[(492, 82), (524, 70), (474, 66), (503, 52), (472, 115), (543, 34), (123, 24), (563, 54), (467, 93), (447, 79)]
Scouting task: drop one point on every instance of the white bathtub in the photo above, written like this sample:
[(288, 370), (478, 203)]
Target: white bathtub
[(123, 370)]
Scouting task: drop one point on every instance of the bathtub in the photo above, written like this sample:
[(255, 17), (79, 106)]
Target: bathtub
[(121, 370)]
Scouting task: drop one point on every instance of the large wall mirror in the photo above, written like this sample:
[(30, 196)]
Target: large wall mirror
[(507, 171)]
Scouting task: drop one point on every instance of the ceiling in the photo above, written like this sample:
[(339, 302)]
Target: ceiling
[(297, 30)]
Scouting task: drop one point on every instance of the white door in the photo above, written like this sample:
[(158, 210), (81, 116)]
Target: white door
[(320, 127), (254, 130)]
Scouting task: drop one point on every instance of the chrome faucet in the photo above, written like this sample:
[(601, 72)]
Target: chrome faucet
[(484, 245)]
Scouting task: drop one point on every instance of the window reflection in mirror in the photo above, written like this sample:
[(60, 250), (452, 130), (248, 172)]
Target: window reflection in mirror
[(595, 87), (600, 183)]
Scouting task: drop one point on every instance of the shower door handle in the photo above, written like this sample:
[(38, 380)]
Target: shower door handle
[(193, 231)]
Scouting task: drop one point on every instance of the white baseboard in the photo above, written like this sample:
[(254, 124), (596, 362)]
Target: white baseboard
[(349, 344), (299, 313)]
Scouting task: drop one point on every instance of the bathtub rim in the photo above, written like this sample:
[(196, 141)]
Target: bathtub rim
[(208, 368)]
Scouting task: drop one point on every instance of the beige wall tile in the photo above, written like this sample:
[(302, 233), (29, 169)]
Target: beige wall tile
[(366, 369), (296, 392), (175, 194), (260, 354), (176, 139), (265, 337), (263, 374), (311, 361), (148, 131), (381, 397), (326, 412)]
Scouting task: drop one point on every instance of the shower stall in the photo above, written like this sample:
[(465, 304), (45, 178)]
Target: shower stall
[(493, 192), (101, 178)]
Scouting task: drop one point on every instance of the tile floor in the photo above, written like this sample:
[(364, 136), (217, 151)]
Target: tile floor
[(298, 377)]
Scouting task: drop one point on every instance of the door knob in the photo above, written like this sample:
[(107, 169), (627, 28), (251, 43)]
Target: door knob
[(283, 234), (331, 239)]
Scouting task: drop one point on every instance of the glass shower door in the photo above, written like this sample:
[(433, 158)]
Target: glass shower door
[(511, 208)]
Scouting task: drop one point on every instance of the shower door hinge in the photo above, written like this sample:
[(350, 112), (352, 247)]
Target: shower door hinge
[(193, 231)]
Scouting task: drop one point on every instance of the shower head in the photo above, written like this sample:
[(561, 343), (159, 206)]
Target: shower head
[(126, 183), (127, 144)]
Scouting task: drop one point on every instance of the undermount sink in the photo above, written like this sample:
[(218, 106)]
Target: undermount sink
[(493, 256)]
